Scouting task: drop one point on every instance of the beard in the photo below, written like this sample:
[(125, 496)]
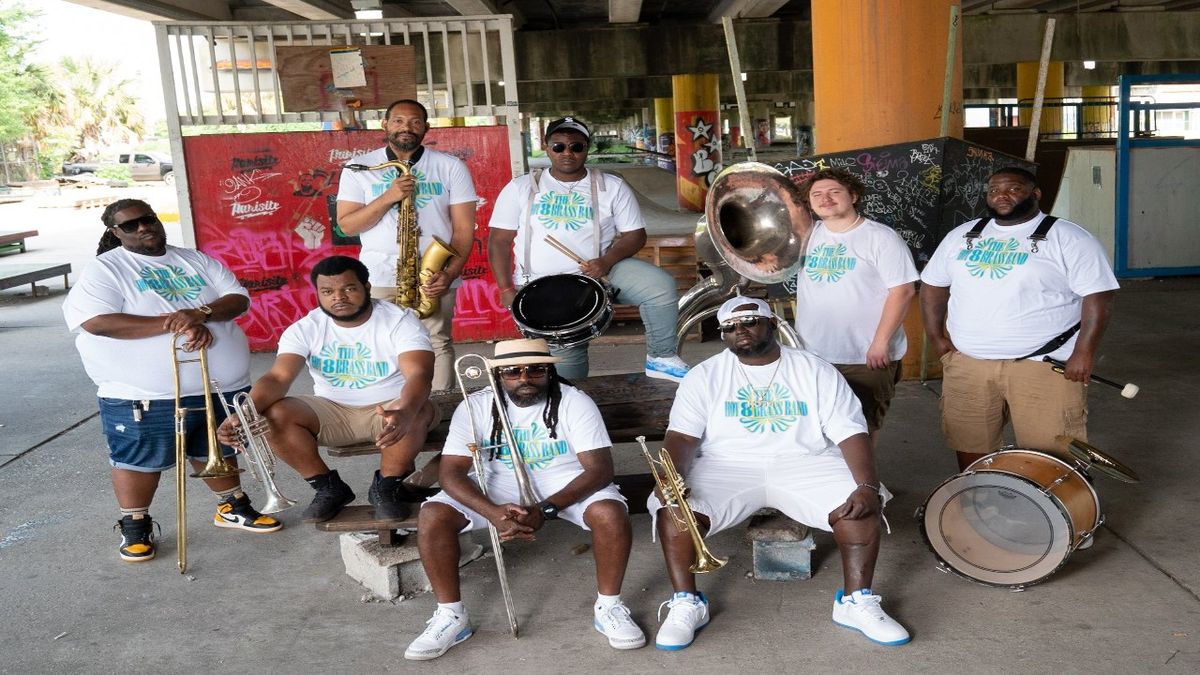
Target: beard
[(404, 141), (1021, 210), (526, 400), (356, 314), (759, 348)]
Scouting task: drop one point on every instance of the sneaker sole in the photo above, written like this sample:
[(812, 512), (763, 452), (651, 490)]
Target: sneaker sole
[(138, 559), (615, 644), (893, 643), (675, 648), (431, 656), (238, 526), (663, 376)]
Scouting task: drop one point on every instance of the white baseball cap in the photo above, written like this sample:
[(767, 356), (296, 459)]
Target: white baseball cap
[(729, 310)]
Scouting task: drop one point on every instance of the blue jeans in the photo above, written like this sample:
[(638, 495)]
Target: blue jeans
[(147, 445), (653, 291)]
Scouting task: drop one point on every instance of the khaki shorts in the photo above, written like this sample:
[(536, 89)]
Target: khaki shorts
[(874, 389), (980, 395), (343, 425)]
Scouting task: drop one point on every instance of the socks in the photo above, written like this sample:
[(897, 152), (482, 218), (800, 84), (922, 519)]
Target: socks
[(137, 513), (604, 602), (232, 493), (457, 607)]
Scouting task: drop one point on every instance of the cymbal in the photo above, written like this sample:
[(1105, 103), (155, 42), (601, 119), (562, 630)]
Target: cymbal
[(1099, 461)]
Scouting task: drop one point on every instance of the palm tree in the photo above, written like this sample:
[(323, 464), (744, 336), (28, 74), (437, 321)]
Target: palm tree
[(93, 106)]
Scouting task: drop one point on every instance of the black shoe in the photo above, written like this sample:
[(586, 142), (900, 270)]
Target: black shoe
[(393, 499), (137, 538), (332, 495)]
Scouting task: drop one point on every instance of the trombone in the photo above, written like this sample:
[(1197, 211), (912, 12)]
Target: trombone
[(216, 466), (674, 494), (528, 497)]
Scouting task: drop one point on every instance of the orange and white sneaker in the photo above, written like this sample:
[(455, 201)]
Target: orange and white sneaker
[(236, 513), (137, 538)]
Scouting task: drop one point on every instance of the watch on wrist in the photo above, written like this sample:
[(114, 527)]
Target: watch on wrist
[(549, 511), (206, 311)]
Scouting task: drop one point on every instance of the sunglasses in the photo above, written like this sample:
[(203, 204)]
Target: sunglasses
[(130, 226), (748, 322), (575, 147), (532, 372)]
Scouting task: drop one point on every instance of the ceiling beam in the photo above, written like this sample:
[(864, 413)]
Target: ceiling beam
[(745, 9), (474, 7), (624, 11), (316, 10), (163, 10)]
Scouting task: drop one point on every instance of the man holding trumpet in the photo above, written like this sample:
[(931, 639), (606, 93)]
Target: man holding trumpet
[(762, 425), (566, 453), (126, 310)]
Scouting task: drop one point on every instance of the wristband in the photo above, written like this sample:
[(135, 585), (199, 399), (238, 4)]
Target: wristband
[(869, 487)]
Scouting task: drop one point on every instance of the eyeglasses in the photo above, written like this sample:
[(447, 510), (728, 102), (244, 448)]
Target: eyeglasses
[(532, 372), (130, 226), (575, 147), (748, 322)]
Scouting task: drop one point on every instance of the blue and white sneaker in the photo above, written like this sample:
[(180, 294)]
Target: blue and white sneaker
[(689, 613), (443, 630), (862, 611), (670, 368)]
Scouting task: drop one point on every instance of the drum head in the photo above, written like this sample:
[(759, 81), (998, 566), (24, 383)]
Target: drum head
[(996, 528), (559, 303)]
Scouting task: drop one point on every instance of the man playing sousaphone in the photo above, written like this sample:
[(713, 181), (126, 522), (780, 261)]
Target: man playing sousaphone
[(370, 362), (761, 425), (565, 448)]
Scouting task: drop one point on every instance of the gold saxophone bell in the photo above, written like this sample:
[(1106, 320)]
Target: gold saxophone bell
[(216, 466), (413, 268), (674, 493)]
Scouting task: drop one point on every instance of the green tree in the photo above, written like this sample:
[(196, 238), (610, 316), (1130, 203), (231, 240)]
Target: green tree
[(23, 85), (93, 106)]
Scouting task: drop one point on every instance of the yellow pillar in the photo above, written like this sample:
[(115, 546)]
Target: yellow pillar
[(1097, 118), (1027, 75), (697, 137), (664, 125), (879, 69)]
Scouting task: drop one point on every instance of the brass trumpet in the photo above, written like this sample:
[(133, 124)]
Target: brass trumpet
[(413, 268), (215, 467), (252, 435), (674, 493)]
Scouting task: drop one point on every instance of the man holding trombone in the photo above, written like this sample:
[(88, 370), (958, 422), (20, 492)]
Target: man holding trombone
[(126, 311), (762, 425), (540, 451)]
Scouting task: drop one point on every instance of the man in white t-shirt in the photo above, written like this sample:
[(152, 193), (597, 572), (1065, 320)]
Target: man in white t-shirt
[(444, 195), (562, 443), (999, 296), (125, 310), (853, 293), (596, 216), (761, 425), (370, 362)]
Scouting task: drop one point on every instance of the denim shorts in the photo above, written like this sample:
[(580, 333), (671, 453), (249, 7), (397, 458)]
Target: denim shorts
[(148, 445)]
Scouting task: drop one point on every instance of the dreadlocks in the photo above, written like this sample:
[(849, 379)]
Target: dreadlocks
[(108, 240), (549, 411)]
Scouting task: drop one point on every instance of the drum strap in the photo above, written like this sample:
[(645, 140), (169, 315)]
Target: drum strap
[(1058, 341), (596, 181), (1039, 234)]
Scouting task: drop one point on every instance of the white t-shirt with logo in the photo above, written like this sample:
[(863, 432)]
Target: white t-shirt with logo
[(563, 210), (442, 181), (798, 404), (356, 365), (550, 462), (1007, 302), (841, 291), (123, 282)]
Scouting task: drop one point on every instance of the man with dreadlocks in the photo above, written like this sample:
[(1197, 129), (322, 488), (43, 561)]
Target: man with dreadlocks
[(562, 442), (125, 310)]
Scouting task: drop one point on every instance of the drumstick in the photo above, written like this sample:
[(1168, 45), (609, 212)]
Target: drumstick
[(1127, 390), (561, 248)]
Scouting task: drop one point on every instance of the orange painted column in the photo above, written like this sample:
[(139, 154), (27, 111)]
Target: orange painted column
[(1052, 115), (879, 69), (697, 137)]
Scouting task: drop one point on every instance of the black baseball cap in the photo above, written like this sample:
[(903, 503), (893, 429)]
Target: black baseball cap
[(568, 124)]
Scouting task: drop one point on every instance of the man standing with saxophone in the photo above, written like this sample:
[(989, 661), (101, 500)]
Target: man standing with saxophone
[(370, 362), (565, 449), (126, 309), (762, 425), (444, 198)]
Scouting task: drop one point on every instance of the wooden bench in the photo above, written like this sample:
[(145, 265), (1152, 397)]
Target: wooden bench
[(12, 275), (676, 254), (14, 242)]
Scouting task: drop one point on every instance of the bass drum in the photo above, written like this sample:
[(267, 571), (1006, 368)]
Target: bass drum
[(1011, 519), (566, 310)]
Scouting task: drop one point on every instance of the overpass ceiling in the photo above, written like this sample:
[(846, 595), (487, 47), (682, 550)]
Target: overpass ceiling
[(1070, 6)]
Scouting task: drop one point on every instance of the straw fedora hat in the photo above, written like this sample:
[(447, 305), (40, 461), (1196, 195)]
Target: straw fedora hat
[(522, 353)]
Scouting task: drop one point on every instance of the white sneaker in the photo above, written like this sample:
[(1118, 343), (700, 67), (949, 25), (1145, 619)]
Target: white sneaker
[(670, 368), (689, 613), (443, 630), (616, 624), (862, 611)]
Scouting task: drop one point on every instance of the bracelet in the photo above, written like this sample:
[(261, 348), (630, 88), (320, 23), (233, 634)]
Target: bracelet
[(504, 289), (869, 487)]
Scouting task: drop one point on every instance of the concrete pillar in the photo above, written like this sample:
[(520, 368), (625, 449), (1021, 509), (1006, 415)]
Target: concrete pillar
[(879, 70), (1097, 118), (697, 137), (1027, 75), (664, 124)]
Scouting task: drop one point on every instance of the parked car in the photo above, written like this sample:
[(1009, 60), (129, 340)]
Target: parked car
[(144, 165)]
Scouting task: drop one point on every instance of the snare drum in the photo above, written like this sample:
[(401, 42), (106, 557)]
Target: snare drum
[(1011, 519), (566, 310)]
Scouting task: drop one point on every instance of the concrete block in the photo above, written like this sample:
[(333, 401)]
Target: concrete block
[(782, 548), (391, 572)]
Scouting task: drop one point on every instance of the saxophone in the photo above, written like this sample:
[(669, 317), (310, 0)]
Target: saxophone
[(412, 268)]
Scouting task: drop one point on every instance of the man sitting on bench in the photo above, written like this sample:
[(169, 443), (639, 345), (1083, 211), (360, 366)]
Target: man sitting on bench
[(371, 363)]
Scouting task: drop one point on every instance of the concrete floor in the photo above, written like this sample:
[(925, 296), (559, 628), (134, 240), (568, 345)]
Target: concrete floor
[(282, 604)]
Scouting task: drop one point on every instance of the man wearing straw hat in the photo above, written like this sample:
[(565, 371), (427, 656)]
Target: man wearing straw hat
[(566, 451)]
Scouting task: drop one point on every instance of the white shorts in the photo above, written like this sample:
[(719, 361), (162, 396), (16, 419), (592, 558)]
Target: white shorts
[(573, 513), (806, 488)]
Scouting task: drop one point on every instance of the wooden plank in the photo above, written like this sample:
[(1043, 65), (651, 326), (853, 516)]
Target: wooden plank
[(12, 275), (306, 77)]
